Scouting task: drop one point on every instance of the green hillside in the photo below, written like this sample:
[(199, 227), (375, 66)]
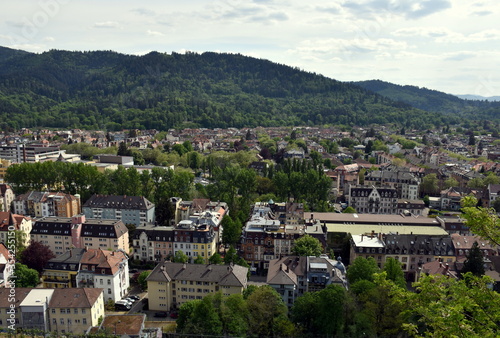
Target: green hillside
[(108, 90), (434, 101)]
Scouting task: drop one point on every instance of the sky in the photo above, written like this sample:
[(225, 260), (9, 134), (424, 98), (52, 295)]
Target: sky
[(446, 45)]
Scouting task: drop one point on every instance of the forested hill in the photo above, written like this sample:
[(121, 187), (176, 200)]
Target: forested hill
[(434, 101), (108, 90)]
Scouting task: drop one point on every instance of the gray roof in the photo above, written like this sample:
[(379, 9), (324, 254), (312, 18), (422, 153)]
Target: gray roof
[(226, 275), (118, 202)]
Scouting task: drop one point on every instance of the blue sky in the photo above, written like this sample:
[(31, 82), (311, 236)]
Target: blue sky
[(447, 45)]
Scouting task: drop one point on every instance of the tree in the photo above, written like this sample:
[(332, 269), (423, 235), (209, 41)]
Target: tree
[(427, 200), (483, 222), (180, 257), (307, 246), (349, 210), (450, 182), (36, 256), (25, 277), (231, 256), (474, 262), (200, 318), (215, 259), (362, 269), (199, 260), (445, 307), (265, 308), (496, 205), (430, 184), (394, 272), (231, 230), (141, 280)]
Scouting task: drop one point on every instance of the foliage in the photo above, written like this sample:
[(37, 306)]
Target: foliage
[(307, 246), (483, 222), (141, 279), (180, 257), (394, 272), (215, 259), (362, 269), (265, 307), (36, 256), (349, 210), (231, 230), (430, 184), (199, 260), (474, 262), (25, 277), (445, 307)]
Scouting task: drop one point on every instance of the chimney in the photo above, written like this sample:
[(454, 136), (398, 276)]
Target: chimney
[(361, 237)]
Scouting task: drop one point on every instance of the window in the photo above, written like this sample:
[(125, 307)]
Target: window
[(83, 312), (109, 281), (84, 320), (75, 311), (62, 321)]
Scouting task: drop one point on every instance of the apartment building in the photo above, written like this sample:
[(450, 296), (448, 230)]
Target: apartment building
[(172, 284), (10, 221), (52, 310), (20, 153), (6, 197), (292, 276), (153, 243), (46, 204), (135, 210), (63, 233), (405, 182)]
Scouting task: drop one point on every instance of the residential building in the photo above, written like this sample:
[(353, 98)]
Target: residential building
[(135, 210), (62, 234), (20, 153), (153, 243), (405, 182), (196, 238), (10, 221), (493, 193), (266, 236), (6, 197), (93, 268), (7, 262), (292, 276), (373, 200), (46, 204), (463, 245), (454, 225), (409, 249), (450, 198), (4, 165), (172, 284), (52, 310)]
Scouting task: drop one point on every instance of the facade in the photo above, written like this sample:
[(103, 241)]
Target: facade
[(267, 236), (6, 265), (373, 200), (450, 198), (91, 268), (6, 197), (9, 221), (4, 165), (62, 234), (20, 153), (493, 193), (412, 251), (172, 284), (292, 276), (405, 183), (153, 244), (46, 204), (53, 310), (129, 209)]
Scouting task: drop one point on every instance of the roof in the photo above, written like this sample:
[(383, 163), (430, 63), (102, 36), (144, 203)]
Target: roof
[(228, 275), (118, 202), (373, 219), (70, 257), (37, 297), (438, 268), (386, 229), (61, 226), (367, 241), (19, 297), (104, 259), (286, 270), (124, 324), (466, 242), (75, 297)]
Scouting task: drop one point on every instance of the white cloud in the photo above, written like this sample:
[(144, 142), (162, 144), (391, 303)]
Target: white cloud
[(154, 33), (106, 24)]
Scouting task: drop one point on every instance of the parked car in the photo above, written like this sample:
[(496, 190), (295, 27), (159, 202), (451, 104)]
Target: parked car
[(131, 300), (133, 270), (161, 314), (174, 315), (135, 297), (122, 307), (126, 301)]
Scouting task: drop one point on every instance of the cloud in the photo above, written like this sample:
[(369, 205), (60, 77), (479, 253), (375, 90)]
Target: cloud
[(482, 13), (106, 24), (49, 39), (144, 11), (459, 56), (249, 12), (154, 33), (407, 8), (445, 35)]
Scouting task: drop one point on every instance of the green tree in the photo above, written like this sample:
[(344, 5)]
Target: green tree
[(430, 184), (234, 315), (450, 182), (362, 269), (203, 318), (199, 260), (474, 262), (394, 272), (483, 222), (180, 257), (215, 259), (231, 230), (265, 307), (307, 246), (141, 280), (349, 210), (25, 277)]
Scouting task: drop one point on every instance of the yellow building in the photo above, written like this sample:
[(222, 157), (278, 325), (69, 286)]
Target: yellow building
[(61, 272), (4, 165), (51, 310), (172, 284)]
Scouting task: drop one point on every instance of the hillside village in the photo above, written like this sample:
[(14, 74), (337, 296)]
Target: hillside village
[(393, 195)]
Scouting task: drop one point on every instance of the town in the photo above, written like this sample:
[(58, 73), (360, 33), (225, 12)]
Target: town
[(138, 232)]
